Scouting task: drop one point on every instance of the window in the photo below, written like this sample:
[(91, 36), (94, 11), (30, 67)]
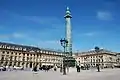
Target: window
[(7, 52), (31, 51), (2, 58), (15, 58), (10, 58), (37, 50), (3, 52), (91, 60), (44, 52), (8, 47), (50, 53), (102, 60), (40, 51), (24, 49), (99, 60), (5, 46), (23, 59), (27, 58), (13, 47), (11, 52), (20, 48)]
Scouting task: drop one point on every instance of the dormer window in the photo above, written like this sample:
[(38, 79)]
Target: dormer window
[(24, 49), (31, 51), (20, 48), (13, 47), (41, 51), (48, 52), (51, 52), (16, 48), (8, 47), (5, 46), (2, 46), (37, 50)]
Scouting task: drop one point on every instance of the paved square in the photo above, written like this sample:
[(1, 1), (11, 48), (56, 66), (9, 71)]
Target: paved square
[(105, 74)]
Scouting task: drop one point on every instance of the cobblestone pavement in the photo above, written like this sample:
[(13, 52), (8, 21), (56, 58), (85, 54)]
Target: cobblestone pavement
[(105, 74)]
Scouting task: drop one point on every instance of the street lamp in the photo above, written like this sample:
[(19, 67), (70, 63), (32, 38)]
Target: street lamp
[(64, 43), (97, 49)]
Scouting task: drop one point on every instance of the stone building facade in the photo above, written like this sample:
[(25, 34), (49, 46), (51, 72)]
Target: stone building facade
[(104, 58), (28, 56)]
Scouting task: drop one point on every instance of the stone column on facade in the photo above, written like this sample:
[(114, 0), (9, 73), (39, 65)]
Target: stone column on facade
[(20, 63), (32, 65), (12, 64), (24, 65), (8, 63), (27, 64), (4, 63)]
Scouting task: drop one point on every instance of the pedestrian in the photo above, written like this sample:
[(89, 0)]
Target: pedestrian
[(78, 68), (55, 68), (61, 68), (35, 69)]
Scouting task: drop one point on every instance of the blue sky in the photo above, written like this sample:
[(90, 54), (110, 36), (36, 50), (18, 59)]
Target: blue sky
[(41, 23)]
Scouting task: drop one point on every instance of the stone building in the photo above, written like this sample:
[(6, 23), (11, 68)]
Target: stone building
[(91, 58), (28, 56), (118, 60)]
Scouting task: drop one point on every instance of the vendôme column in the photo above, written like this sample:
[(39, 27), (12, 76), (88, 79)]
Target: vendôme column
[(68, 31)]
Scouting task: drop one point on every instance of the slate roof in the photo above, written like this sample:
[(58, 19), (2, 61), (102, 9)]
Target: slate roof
[(28, 48), (94, 52)]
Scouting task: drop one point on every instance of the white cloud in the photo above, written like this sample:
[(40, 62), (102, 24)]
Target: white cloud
[(4, 36), (104, 15), (49, 44), (45, 20), (18, 35), (89, 34), (14, 35)]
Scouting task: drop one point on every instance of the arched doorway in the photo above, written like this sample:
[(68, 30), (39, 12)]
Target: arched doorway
[(30, 64)]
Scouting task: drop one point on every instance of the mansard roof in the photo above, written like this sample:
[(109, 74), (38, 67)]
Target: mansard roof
[(19, 46), (28, 48), (101, 51)]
